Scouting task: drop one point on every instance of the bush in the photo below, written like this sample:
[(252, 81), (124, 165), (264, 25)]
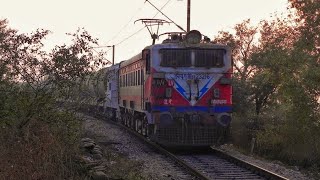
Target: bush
[(39, 152), (294, 142), (241, 134), (39, 140)]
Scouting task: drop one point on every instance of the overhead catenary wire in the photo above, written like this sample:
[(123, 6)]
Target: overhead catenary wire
[(125, 26), (143, 27), (159, 10), (128, 37), (151, 22)]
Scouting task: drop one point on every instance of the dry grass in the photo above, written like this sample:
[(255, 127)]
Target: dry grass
[(36, 153)]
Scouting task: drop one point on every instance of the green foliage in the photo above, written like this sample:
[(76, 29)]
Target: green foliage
[(38, 136), (308, 13), (276, 85)]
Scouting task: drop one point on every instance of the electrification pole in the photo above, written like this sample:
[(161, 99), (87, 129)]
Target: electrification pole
[(113, 54), (188, 15)]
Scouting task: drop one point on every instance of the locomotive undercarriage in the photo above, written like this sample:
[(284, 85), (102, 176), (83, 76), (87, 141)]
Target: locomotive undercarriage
[(192, 135), (135, 120), (191, 130), (184, 131)]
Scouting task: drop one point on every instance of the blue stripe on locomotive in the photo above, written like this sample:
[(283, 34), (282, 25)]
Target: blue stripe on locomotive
[(216, 109)]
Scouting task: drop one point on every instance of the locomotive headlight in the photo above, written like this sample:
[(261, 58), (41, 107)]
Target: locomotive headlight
[(193, 37), (168, 92), (216, 93)]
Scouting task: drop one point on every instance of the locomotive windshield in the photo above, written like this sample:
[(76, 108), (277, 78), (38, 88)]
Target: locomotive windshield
[(209, 58), (175, 57)]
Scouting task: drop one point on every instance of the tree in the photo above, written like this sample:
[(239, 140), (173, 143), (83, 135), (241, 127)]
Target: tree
[(289, 59), (276, 81), (26, 65), (270, 61), (37, 136), (308, 45), (259, 55), (243, 44)]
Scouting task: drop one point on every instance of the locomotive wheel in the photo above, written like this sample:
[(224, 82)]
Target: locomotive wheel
[(129, 122), (126, 121), (151, 129), (132, 123), (138, 125), (135, 125), (144, 127), (122, 118)]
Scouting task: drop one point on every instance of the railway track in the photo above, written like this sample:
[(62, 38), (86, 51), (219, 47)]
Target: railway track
[(210, 163), (215, 167), (249, 166), (213, 164)]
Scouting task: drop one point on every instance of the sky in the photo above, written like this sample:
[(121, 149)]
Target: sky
[(113, 21)]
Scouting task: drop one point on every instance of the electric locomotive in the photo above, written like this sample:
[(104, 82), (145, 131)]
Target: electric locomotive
[(178, 93)]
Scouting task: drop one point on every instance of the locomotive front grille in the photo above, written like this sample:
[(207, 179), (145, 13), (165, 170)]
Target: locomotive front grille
[(186, 136)]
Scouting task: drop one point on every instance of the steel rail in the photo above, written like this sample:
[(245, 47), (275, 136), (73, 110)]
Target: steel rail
[(251, 167)]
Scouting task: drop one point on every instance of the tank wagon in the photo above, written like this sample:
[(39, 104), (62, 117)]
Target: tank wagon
[(178, 93)]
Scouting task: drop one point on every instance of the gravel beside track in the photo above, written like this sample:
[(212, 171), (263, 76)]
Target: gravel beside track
[(155, 166), (292, 173)]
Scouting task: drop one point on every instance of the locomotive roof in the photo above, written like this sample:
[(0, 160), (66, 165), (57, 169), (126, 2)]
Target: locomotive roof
[(174, 44)]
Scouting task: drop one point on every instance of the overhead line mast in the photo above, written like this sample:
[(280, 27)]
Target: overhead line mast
[(188, 15)]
